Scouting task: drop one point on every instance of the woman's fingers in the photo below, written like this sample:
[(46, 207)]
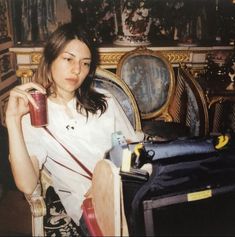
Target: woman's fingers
[(23, 91), (32, 85), (25, 96)]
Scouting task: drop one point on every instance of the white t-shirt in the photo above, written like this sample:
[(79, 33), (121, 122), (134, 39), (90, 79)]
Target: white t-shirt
[(87, 139)]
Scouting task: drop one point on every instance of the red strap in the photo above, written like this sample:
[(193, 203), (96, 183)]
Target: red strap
[(88, 177), (74, 157)]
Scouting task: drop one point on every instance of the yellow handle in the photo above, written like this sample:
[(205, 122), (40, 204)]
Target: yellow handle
[(222, 141), (137, 149)]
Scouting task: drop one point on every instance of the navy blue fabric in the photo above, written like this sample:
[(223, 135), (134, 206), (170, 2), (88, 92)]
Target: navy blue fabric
[(176, 175)]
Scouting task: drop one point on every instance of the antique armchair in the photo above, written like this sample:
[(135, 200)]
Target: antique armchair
[(189, 105), (103, 79), (157, 90)]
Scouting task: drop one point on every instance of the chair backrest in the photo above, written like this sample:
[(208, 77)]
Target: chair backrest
[(109, 81), (150, 76), (189, 105)]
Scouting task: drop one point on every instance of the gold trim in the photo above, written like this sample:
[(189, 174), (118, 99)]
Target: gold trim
[(25, 75), (177, 56), (24, 72), (167, 116), (111, 59), (110, 56), (214, 100), (35, 58)]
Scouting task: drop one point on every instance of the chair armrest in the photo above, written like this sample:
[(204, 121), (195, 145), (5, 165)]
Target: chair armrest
[(36, 202), (38, 210)]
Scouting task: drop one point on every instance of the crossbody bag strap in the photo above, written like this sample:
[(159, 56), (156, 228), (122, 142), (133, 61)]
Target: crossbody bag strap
[(73, 157)]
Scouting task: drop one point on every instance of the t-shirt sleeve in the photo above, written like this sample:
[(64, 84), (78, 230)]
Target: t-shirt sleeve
[(33, 138)]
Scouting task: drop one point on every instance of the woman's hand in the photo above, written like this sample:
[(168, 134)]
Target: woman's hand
[(19, 99)]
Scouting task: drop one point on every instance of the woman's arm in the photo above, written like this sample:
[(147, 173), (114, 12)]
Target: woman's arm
[(25, 169)]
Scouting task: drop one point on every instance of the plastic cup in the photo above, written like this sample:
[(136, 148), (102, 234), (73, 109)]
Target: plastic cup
[(38, 116)]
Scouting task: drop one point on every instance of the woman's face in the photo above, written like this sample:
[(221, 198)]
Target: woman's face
[(71, 67)]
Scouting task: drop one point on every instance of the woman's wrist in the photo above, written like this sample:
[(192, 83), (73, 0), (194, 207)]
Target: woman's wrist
[(13, 120)]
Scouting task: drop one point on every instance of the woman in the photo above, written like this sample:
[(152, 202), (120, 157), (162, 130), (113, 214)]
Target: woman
[(81, 118)]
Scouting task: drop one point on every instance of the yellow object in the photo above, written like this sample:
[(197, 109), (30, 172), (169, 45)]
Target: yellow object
[(137, 149), (199, 195), (222, 141), (126, 160)]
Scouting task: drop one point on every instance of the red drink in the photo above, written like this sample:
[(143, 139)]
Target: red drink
[(38, 116)]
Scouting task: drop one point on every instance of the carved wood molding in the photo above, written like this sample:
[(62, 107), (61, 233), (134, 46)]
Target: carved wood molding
[(111, 59), (24, 72), (36, 57), (110, 56), (177, 56), (25, 75)]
